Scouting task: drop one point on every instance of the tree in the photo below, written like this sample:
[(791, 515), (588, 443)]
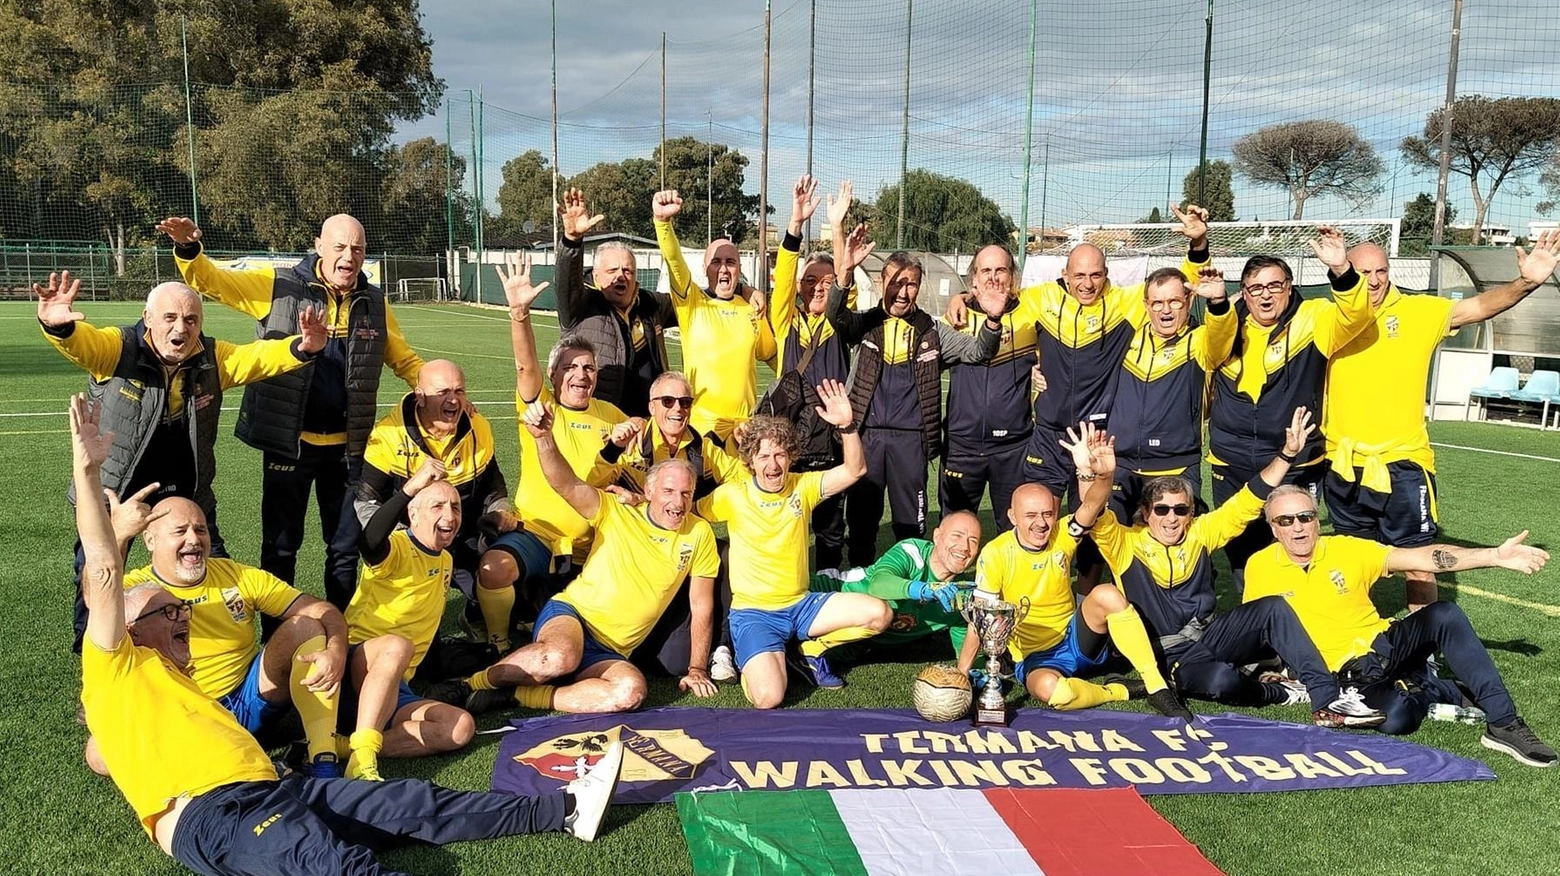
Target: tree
[(1493, 140), (1418, 225), (1154, 217), (621, 191), (414, 201), (1218, 196), (942, 214), (1314, 157), (525, 195)]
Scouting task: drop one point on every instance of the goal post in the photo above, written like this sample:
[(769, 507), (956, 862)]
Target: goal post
[(421, 289)]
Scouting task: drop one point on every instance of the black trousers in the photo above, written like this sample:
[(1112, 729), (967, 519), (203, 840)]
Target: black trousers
[(333, 826), (665, 649), (967, 473), (1394, 677), (284, 505), (896, 464), (1227, 481), (828, 529), (1206, 669)]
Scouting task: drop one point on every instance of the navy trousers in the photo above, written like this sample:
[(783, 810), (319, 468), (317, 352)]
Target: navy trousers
[(1206, 669)]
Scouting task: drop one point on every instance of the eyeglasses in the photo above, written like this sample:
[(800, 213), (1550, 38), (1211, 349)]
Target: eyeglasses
[(1179, 510), (1257, 289), (1289, 519), (173, 611), (681, 401), (1171, 304)]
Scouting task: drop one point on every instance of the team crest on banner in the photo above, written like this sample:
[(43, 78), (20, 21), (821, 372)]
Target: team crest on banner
[(650, 756)]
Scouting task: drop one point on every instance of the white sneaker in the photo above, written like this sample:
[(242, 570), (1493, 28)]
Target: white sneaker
[(723, 666), (1348, 710), (592, 794), (1295, 693)]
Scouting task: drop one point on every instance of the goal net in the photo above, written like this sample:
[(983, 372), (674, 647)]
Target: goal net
[(424, 289)]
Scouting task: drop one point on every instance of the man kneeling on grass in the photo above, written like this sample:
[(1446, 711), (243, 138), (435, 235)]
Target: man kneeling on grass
[(1327, 580), (217, 806), (584, 635)]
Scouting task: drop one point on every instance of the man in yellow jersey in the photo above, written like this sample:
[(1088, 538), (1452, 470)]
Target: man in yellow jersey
[(1278, 363), (723, 325), (805, 342), (622, 321), (579, 660), (434, 421), (767, 517), (160, 382), (202, 788), (1162, 560), (1061, 639), (1327, 580), (1381, 484), (313, 423), (524, 560), (304, 661), (1156, 416), (393, 620)]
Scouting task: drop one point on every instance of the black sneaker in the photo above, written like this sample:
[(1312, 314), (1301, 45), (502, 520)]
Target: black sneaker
[(1136, 689), (1166, 703), (1517, 739), (454, 692)]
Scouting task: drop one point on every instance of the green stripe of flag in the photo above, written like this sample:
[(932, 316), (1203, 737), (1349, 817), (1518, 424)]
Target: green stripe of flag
[(797, 833)]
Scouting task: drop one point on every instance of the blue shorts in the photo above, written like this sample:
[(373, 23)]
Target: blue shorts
[(252, 710), (594, 652), (1405, 516), (1064, 657), (757, 631), (532, 554), (347, 702)]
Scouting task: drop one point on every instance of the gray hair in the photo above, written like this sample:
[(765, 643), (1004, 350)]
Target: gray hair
[(1280, 492), (664, 376), (615, 245), (170, 286), (570, 341), (665, 465), (139, 595)]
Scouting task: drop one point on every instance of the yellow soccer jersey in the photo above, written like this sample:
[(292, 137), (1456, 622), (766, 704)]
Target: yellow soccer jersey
[(722, 343), (223, 639), (160, 735), (634, 569), (398, 446), (1043, 577), (769, 536), (1368, 420), (403, 595), (580, 436), (1331, 595), (632, 467)]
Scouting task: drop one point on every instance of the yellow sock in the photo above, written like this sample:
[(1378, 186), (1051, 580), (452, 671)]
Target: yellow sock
[(364, 762), (816, 647), (535, 697), (1131, 639), (1075, 693), (318, 710), (480, 681), (496, 607)]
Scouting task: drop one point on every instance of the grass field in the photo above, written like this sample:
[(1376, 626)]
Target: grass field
[(59, 818)]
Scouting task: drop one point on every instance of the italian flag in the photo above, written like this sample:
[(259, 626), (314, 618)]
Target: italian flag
[(888, 832)]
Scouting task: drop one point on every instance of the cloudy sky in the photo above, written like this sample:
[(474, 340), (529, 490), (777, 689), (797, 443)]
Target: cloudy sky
[(1117, 88)]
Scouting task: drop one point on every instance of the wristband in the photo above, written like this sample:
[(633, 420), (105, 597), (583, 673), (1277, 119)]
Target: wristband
[(846, 430), (1286, 457), (1087, 477)]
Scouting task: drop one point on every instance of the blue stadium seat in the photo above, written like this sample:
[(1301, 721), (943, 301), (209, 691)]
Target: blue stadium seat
[(1501, 383), (1542, 387)]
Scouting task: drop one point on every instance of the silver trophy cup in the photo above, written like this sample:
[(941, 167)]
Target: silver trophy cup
[(993, 621)]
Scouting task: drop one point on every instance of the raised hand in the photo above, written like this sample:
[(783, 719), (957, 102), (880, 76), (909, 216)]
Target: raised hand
[(57, 302), (538, 418), (131, 517), (665, 205), (992, 301), (1079, 446), (857, 248), (1210, 284), (311, 327), (624, 495), (577, 221), (1194, 222), (1538, 267), (803, 199), (89, 445), (839, 206), (836, 409), (180, 229), (431, 470), (518, 291), (1102, 453), (1298, 430), (1331, 248), (624, 433), (759, 302), (1519, 557)]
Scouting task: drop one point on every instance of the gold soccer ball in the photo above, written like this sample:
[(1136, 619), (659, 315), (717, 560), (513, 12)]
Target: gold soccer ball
[(942, 693)]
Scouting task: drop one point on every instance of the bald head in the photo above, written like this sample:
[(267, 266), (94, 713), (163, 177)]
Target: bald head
[(433, 516), (1033, 515), (722, 268), (341, 247), (1086, 274), (173, 317), (441, 396), (1370, 261), (178, 541), (342, 223)]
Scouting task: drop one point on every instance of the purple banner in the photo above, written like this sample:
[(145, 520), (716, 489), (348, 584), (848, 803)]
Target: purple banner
[(685, 749)]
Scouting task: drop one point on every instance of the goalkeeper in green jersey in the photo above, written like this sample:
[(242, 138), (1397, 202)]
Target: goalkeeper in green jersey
[(916, 578)]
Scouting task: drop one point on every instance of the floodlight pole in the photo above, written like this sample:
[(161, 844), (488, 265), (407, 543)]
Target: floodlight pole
[(904, 130), (812, 45), (189, 119), (663, 109), (1202, 151), (1446, 152), (763, 171), (1029, 140), (554, 142)]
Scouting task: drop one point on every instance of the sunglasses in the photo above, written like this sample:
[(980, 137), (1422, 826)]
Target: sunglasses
[(173, 611), (681, 401), (1289, 519), (1179, 510)]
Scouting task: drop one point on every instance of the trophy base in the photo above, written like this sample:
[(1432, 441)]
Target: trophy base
[(985, 717)]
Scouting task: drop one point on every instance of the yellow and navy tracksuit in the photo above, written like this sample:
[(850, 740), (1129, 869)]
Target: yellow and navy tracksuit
[(1156, 416), (988, 422), (1381, 483), (1271, 371)]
